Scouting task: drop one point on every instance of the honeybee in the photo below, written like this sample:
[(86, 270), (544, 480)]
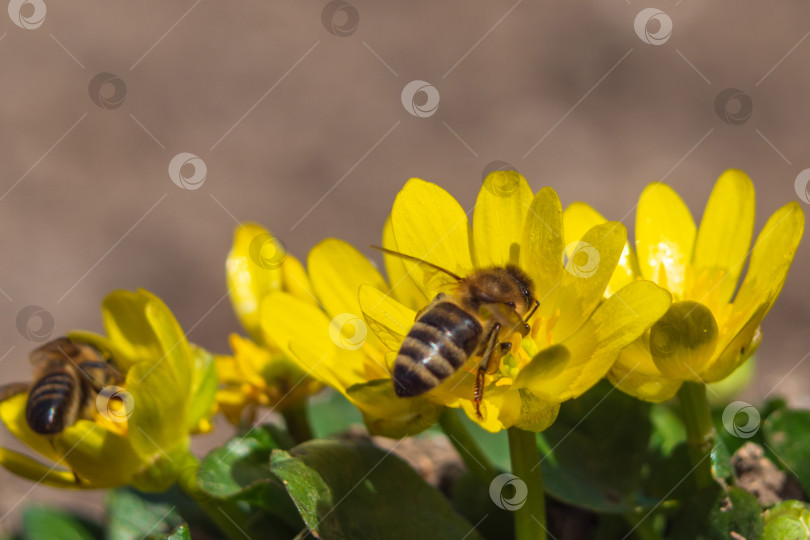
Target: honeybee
[(476, 319), (68, 376)]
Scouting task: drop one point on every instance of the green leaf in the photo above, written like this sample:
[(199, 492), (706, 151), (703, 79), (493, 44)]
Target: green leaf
[(592, 460), (330, 412), (39, 522), (180, 533), (713, 515), (470, 496), (240, 471), (135, 515), (347, 489), (788, 519), (787, 436)]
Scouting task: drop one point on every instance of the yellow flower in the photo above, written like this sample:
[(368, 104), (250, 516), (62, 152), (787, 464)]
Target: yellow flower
[(168, 393), (259, 373), (574, 339), (709, 331)]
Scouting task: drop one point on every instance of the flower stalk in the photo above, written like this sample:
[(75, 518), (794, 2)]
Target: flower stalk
[(477, 462), (700, 433), (297, 419), (530, 518)]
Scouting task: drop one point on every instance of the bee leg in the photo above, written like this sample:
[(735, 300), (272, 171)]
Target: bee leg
[(483, 367)]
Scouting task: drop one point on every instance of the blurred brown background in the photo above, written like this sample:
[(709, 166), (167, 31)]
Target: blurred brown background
[(296, 110)]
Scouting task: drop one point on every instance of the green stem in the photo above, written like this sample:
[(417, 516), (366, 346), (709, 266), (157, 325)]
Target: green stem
[(699, 430), (642, 527), (474, 458), (530, 519), (227, 515), (297, 419)]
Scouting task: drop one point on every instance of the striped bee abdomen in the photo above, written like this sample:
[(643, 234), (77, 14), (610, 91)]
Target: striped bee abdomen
[(52, 403), (440, 342)]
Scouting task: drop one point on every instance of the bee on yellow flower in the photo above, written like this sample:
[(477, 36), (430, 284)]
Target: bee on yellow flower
[(140, 438), (712, 326), (570, 342)]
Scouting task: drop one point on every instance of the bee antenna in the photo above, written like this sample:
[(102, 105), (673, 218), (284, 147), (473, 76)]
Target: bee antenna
[(418, 260)]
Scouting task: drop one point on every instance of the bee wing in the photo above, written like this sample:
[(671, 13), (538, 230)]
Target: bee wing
[(8, 391), (428, 276)]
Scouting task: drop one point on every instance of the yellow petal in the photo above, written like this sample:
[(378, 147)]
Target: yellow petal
[(494, 408), (534, 414), (337, 270), (724, 237), (296, 281), (634, 373), (388, 415), (591, 262), (736, 348), (543, 247), (100, 456), (665, 236), (128, 328), (578, 218), (31, 469), (252, 270), (403, 287), (429, 224), (500, 212), (771, 257), (683, 342), (591, 352), (305, 334), (386, 317)]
